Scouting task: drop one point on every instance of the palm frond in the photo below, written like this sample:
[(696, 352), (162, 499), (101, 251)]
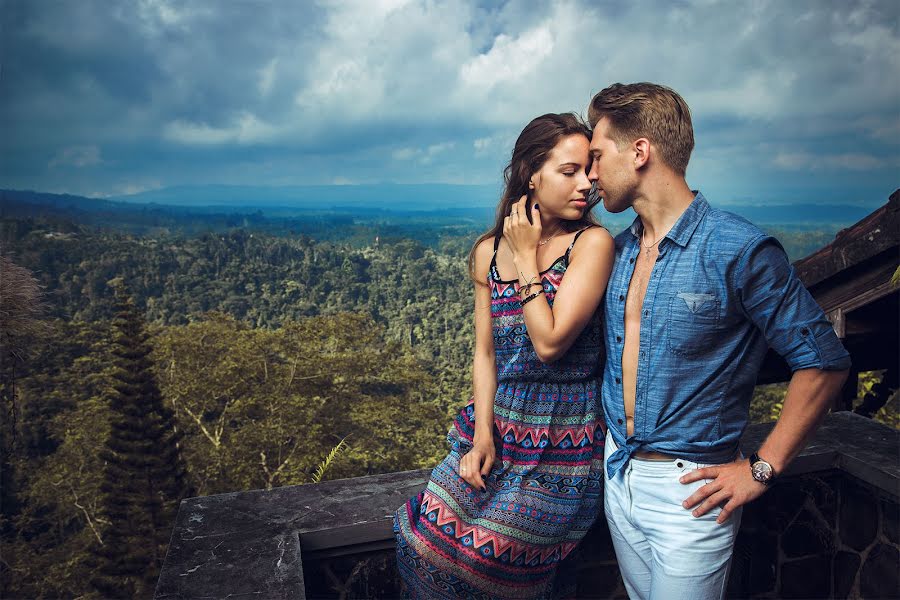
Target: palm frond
[(323, 466)]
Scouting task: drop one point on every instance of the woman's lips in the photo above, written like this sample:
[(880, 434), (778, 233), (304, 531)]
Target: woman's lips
[(580, 203)]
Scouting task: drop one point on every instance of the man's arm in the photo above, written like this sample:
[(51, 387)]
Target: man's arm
[(774, 299), (808, 397)]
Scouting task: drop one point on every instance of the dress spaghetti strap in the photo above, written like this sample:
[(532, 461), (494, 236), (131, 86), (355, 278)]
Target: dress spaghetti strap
[(575, 239), (492, 271)]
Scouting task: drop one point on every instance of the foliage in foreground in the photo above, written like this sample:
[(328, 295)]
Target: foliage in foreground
[(255, 408)]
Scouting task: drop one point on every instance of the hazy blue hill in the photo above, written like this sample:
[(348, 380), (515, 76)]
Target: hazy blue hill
[(466, 202), (451, 228), (9, 198), (438, 199), (445, 216), (317, 197), (800, 215)]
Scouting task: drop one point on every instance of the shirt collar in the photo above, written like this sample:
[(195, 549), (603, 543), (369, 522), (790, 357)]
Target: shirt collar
[(684, 227)]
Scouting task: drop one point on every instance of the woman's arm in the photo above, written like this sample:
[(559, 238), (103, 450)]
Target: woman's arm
[(553, 332), (479, 460)]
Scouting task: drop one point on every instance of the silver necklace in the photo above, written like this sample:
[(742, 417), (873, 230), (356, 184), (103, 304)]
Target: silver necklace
[(646, 247)]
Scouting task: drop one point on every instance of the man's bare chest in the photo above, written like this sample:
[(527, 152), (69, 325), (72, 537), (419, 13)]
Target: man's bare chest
[(637, 288)]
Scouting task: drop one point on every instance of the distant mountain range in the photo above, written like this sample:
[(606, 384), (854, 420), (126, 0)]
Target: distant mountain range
[(417, 197), (469, 202)]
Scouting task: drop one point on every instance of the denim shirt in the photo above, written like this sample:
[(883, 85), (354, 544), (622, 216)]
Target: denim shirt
[(721, 292)]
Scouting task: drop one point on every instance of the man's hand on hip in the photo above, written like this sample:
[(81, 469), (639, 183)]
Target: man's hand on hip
[(732, 484)]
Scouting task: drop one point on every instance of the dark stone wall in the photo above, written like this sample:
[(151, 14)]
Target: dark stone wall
[(366, 575), (827, 528), (824, 535), (818, 536), (590, 571)]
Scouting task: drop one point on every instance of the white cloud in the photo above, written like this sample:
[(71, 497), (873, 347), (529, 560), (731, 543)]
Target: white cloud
[(510, 60), (442, 86), (797, 161), (500, 143), (883, 128), (434, 150), (267, 77), (422, 156), (403, 153), (246, 128), (77, 156), (127, 189), (160, 16)]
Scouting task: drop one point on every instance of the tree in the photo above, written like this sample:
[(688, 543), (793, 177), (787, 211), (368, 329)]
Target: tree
[(260, 408), (144, 474), (20, 311), (62, 426)]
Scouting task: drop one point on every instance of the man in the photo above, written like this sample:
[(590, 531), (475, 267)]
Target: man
[(696, 297)]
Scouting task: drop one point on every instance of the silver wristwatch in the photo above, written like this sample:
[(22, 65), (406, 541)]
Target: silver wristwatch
[(761, 470)]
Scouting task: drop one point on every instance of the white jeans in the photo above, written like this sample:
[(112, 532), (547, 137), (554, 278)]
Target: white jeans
[(664, 552)]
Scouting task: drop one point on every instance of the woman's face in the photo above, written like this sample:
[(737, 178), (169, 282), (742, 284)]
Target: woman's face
[(561, 185)]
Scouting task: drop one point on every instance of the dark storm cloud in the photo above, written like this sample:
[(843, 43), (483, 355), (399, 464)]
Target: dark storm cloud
[(103, 98)]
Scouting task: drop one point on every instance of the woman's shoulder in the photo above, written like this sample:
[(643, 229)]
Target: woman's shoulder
[(484, 253), (595, 238), (485, 249), (592, 235)]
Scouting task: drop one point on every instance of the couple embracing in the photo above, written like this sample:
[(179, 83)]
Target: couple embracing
[(614, 374)]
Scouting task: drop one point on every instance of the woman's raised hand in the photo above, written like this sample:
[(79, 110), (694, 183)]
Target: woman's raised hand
[(522, 236)]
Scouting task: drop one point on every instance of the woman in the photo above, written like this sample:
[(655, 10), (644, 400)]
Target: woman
[(522, 483)]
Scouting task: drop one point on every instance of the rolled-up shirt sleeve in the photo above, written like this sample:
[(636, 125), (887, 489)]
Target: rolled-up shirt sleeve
[(775, 300)]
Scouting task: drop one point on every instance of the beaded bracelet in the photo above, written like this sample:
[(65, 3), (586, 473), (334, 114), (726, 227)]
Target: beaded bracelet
[(527, 287), (528, 299)]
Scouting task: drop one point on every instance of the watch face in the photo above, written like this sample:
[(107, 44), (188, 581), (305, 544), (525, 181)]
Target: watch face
[(762, 471)]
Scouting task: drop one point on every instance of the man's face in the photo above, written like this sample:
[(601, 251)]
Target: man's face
[(612, 169)]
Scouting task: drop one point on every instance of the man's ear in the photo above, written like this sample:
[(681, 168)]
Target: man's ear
[(641, 147)]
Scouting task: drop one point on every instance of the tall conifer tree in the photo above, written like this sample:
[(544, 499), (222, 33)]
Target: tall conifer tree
[(20, 311), (144, 477)]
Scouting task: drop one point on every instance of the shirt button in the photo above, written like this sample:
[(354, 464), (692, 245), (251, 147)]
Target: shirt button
[(618, 380), (646, 313), (804, 331), (621, 297), (619, 421), (631, 261)]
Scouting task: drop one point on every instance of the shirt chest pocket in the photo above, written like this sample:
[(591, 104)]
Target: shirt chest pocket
[(693, 323)]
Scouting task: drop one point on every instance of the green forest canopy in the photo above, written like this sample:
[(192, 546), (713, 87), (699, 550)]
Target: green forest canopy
[(269, 348)]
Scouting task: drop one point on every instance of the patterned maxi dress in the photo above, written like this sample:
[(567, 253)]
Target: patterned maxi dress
[(545, 488)]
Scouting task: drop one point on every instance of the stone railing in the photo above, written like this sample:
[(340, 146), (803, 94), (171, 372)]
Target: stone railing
[(829, 528)]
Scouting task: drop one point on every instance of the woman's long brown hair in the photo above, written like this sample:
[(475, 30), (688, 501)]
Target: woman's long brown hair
[(529, 154)]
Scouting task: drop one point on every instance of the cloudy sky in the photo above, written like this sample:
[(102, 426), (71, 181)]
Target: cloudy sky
[(793, 101)]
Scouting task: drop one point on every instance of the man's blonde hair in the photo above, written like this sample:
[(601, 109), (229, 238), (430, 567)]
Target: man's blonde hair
[(647, 110)]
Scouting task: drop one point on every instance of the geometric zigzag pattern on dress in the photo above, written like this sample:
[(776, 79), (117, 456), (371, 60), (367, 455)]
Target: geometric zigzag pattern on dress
[(577, 436), (444, 517), (545, 488)]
